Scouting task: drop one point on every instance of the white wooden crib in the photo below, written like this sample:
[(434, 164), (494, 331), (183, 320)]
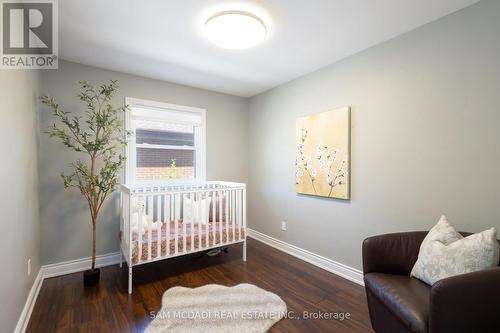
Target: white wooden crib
[(161, 222)]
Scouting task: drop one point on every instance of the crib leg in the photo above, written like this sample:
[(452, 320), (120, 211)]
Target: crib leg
[(130, 279), (121, 257), (245, 250)]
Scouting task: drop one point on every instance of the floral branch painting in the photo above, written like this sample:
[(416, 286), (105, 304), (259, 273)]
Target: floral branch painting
[(322, 154)]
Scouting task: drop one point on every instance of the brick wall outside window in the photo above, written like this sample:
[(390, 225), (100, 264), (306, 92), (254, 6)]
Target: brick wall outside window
[(164, 173), (153, 163)]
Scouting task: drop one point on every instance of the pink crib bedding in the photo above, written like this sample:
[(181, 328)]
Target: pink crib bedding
[(190, 246)]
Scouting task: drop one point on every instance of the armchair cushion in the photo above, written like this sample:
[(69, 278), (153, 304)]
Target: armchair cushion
[(405, 297), (445, 252)]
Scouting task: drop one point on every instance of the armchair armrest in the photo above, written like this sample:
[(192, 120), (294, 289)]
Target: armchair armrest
[(466, 303), (392, 253)]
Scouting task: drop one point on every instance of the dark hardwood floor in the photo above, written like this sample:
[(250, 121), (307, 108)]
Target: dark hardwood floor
[(64, 305)]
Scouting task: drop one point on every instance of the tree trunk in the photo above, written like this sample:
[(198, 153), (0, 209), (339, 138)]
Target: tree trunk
[(93, 241), (94, 205)]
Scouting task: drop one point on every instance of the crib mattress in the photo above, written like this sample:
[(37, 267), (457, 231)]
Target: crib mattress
[(192, 242)]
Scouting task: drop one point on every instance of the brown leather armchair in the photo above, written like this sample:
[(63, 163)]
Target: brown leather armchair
[(399, 303)]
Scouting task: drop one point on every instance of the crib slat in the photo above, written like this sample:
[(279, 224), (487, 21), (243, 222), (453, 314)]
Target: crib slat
[(201, 210), (228, 195), (235, 207), (167, 219), (128, 232), (184, 238), (158, 226), (230, 218), (177, 212), (244, 212), (221, 217), (238, 210), (207, 221), (177, 202), (140, 212), (149, 217), (230, 210), (192, 198), (126, 216), (235, 213), (214, 221), (124, 209)]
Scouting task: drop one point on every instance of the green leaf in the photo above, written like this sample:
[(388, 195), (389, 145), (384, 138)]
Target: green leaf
[(98, 134)]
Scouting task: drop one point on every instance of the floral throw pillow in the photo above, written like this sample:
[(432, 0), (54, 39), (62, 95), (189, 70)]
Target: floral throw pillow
[(444, 253)]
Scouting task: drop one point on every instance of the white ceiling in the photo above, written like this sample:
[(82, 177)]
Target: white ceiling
[(163, 39)]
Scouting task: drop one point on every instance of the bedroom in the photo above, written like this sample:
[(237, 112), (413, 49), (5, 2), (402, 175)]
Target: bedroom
[(401, 100)]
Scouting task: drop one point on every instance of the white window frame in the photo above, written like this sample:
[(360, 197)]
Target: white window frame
[(130, 151)]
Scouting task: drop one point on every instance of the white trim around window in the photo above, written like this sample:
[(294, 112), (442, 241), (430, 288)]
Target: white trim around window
[(155, 106)]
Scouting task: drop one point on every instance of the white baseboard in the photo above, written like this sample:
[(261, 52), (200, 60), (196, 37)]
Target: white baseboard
[(53, 270), (329, 265), (78, 265), (22, 323)]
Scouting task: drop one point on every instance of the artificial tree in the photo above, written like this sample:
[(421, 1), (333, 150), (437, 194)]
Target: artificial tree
[(101, 137)]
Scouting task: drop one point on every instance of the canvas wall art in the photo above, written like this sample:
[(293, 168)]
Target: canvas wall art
[(322, 158)]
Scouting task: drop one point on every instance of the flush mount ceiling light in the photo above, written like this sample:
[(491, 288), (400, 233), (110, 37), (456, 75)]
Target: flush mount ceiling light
[(235, 30)]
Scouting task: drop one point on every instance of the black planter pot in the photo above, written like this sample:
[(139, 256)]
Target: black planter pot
[(91, 277)]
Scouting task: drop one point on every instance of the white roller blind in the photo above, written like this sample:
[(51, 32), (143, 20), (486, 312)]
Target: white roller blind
[(166, 115)]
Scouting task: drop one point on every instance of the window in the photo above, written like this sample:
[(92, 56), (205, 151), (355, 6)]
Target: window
[(168, 142)]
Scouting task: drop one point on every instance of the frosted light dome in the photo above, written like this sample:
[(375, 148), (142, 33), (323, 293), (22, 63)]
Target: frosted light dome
[(235, 30)]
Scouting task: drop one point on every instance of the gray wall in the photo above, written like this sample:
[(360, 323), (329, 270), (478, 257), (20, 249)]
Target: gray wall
[(425, 111), (65, 226), (425, 138), (19, 221)]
